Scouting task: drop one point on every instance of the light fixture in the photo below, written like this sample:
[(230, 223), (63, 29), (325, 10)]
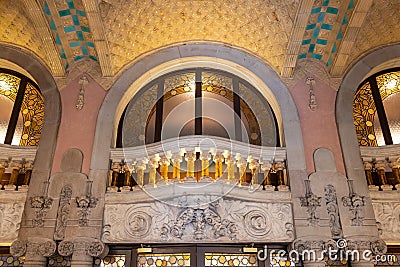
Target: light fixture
[(250, 249), (144, 249)]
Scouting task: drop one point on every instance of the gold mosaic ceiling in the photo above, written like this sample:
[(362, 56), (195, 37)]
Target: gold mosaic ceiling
[(113, 33)]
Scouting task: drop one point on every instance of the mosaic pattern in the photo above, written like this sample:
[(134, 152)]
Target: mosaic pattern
[(241, 260), (185, 80), (135, 121), (277, 261), (211, 79), (57, 260), (73, 17), (264, 117), (9, 85), (7, 260), (151, 260), (320, 27), (364, 110), (340, 33), (111, 261)]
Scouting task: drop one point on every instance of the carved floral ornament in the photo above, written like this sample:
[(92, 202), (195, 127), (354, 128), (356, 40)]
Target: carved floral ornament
[(217, 221), (46, 247)]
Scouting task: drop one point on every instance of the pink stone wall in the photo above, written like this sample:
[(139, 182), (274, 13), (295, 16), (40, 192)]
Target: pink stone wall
[(77, 127), (318, 126)]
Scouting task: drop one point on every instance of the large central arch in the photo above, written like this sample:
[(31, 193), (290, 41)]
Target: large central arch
[(178, 57)]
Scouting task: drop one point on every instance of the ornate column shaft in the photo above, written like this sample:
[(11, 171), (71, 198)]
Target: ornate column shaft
[(140, 167), (3, 166), (380, 167), (395, 164), (205, 157), (242, 165), (253, 166), (115, 171), (230, 164), (279, 167), (165, 162), (368, 172), (218, 159), (153, 165), (16, 167), (190, 157), (28, 172), (176, 170)]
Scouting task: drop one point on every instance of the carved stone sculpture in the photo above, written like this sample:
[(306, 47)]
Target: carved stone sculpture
[(63, 212), (40, 246), (85, 203), (356, 205), (333, 211), (66, 248), (41, 204), (311, 201), (388, 218), (189, 219)]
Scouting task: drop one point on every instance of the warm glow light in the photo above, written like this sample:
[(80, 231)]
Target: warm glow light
[(4, 86), (391, 84)]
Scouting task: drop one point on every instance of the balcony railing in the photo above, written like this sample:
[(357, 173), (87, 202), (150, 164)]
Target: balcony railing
[(381, 166), (16, 164), (198, 159)]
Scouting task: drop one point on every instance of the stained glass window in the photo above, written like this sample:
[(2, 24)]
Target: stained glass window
[(378, 116), (151, 260), (8, 260), (57, 260), (22, 109), (111, 261), (225, 259)]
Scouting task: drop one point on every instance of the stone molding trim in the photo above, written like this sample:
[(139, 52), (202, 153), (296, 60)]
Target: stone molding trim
[(215, 220), (387, 213), (82, 247), (38, 246)]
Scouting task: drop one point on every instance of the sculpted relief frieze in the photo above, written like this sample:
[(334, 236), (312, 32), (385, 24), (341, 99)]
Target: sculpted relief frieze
[(387, 215), (190, 220), (10, 214)]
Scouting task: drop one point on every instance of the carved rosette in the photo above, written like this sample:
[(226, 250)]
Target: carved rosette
[(258, 224), (66, 248), (38, 247), (18, 248), (82, 247)]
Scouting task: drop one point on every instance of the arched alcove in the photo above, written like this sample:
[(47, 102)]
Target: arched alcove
[(52, 109), (224, 58), (365, 67)]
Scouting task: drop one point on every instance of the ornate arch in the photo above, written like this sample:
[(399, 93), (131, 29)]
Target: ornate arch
[(226, 58), (52, 110), (344, 110)]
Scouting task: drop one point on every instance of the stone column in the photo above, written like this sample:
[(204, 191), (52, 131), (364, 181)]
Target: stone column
[(176, 170), (36, 250), (82, 250), (380, 166), (266, 167)]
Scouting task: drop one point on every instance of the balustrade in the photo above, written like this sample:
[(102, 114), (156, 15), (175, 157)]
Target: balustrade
[(188, 161), (381, 166), (16, 164)]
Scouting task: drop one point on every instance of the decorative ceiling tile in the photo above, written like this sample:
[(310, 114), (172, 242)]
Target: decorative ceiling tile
[(137, 27), (16, 28), (381, 27), (69, 24)]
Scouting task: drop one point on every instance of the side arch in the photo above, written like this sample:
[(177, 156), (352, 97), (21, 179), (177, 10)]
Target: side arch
[(234, 60), (344, 110), (52, 110)]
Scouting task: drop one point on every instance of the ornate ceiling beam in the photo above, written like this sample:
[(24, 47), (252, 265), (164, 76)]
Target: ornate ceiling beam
[(60, 30), (350, 35), (99, 36), (295, 41), (42, 28)]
